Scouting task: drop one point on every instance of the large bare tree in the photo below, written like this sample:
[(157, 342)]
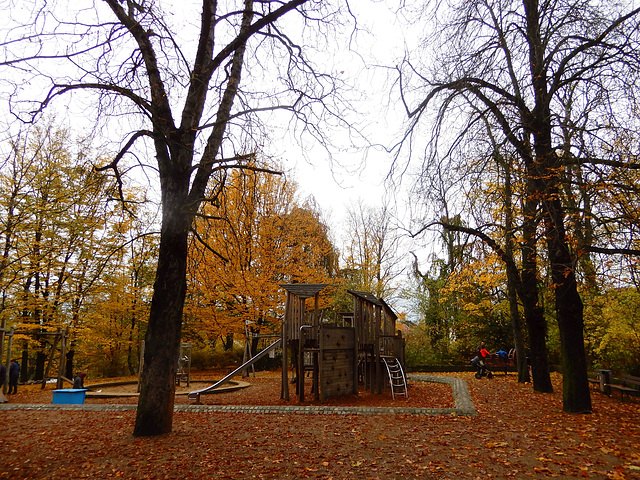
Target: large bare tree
[(511, 63), (184, 87)]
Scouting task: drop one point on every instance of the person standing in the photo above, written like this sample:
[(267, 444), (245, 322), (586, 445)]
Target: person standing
[(14, 373)]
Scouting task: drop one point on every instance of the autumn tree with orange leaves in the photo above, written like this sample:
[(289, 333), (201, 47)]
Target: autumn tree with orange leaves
[(63, 247), (255, 237)]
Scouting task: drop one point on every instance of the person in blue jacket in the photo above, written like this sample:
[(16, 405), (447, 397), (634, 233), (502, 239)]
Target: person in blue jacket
[(14, 373)]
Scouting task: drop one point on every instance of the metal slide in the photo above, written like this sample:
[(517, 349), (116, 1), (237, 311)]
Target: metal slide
[(195, 395)]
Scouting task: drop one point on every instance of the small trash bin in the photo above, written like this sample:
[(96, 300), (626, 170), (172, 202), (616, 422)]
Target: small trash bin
[(72, 396)]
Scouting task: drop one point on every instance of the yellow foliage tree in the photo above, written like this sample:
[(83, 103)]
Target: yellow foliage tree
[(253, 238), (474, 283), (60, 242)]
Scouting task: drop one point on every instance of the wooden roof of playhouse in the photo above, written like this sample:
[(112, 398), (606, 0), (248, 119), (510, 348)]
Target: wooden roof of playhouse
[(304, 290), (388, 310), (366, 296), (294, 316), (379, 302)]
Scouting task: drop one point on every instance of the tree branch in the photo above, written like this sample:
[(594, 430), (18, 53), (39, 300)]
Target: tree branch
[(614, 251), (207, 246)]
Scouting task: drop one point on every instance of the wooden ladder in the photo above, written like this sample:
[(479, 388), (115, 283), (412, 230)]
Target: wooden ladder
[(397, 378)]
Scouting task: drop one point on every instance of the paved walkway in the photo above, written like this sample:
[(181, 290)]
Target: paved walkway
[(463, 405)]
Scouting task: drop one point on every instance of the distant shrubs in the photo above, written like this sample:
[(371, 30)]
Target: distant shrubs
[(215, 357)]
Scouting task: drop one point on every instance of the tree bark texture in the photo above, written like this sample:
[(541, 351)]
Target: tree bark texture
[(544, 171), (512, 280), (569, 310), (536, 326), (530, 297), (162, 341)]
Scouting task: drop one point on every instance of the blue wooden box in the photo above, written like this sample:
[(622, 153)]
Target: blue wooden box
[(74, 396)]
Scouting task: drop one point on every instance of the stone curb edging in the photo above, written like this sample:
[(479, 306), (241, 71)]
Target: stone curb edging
[(462, 401)]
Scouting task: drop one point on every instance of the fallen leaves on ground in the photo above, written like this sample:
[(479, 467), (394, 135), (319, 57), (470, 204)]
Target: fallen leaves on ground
[(516, 434)]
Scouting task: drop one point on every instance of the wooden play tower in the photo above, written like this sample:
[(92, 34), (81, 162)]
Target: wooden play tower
[(367, 349), (301, 336), (380, 345)]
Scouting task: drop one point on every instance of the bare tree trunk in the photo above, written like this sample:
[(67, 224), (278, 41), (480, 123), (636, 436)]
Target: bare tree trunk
[(228, 342), (512, 292), (534, 316), (41, 358), (533, 311), (24, 366), (162, 341), (569, 309), (518, 340), (68, 366), (544, 172)]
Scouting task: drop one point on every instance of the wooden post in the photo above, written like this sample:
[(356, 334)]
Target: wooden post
[(321, 373), (63, 352), (316, 372), (316, 315), (2, 335), (246, 356), (302, 302), (377, 345), (189, 366), (399, 350), (140, 364), (284, 387), (300, 384), (9, 346), (605, 381), (355, 361)]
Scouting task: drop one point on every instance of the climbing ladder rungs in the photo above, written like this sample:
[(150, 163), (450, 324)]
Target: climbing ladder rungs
[(397, 378)]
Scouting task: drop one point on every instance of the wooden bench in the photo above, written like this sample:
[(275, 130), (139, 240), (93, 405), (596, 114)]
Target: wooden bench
[(499, 362), (595, 381), (628, 385)]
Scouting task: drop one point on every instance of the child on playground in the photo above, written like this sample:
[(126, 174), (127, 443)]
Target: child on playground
[(78, 382)]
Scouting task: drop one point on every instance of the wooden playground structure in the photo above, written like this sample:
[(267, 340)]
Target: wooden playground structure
[(56, 350), (365, 349)]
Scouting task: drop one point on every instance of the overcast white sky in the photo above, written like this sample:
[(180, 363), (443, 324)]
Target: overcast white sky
[(353, 175), (360, 175)]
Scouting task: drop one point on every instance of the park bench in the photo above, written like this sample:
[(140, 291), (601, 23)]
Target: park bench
[(595, 380), (628, 385), (500, 362)]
